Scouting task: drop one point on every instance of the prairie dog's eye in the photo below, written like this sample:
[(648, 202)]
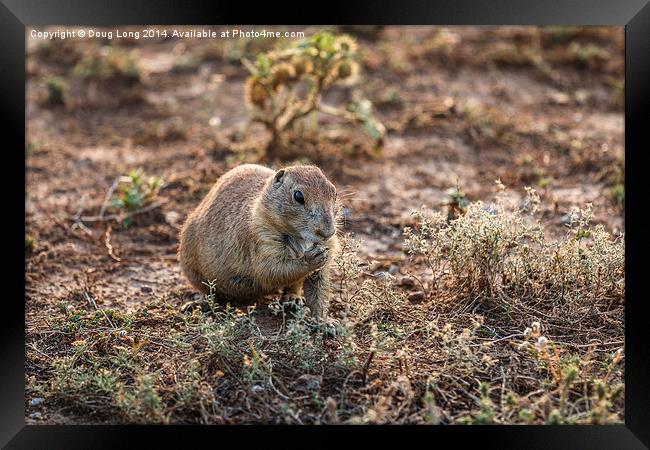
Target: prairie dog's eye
[(297, 196)]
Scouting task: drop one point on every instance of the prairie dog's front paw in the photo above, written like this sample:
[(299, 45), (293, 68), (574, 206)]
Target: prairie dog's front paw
[(316, 256)]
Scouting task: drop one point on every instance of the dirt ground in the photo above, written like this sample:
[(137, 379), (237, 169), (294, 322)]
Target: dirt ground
[(539, 108)]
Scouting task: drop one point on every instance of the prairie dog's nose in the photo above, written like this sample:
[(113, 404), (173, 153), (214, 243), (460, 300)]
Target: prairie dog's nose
[(325, 229), (326, 232)]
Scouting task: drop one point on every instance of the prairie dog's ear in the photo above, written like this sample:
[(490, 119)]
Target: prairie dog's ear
[(279, 177)]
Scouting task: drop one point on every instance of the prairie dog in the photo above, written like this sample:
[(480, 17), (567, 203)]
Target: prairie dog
[(258, 231)]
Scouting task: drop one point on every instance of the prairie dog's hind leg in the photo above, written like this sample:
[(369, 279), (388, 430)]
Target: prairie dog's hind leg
[(293, 293), (194, 278), (295, 290)]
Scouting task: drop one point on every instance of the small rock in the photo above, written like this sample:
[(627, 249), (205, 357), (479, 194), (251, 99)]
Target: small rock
[(393, 269), (172, 218), (256, 389), (30, 207), (565, 220), (36, 401), (381, 275), (559, 97), (36, 415), (581, 96), (374, 265), (306, 383), (491, 210), (407, 282), (416, 296)]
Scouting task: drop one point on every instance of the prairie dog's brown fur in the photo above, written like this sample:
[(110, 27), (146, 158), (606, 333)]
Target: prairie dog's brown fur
[(252, 237)]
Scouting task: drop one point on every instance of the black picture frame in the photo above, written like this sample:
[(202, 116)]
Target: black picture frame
[(634, 15)]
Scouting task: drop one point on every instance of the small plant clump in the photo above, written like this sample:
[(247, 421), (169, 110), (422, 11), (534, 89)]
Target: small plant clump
[(106, 76), (232, 51), (30, 243), (486, 124), (135, 192), (287, 84), (65, 53), (107, 63), (456, 202), (618, 190), (57, 91)]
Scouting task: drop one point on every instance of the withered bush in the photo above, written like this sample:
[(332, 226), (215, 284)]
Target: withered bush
[(501, 254), (287, 84)]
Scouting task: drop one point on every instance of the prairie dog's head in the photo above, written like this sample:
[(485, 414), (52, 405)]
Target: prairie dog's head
[(303, 203)]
